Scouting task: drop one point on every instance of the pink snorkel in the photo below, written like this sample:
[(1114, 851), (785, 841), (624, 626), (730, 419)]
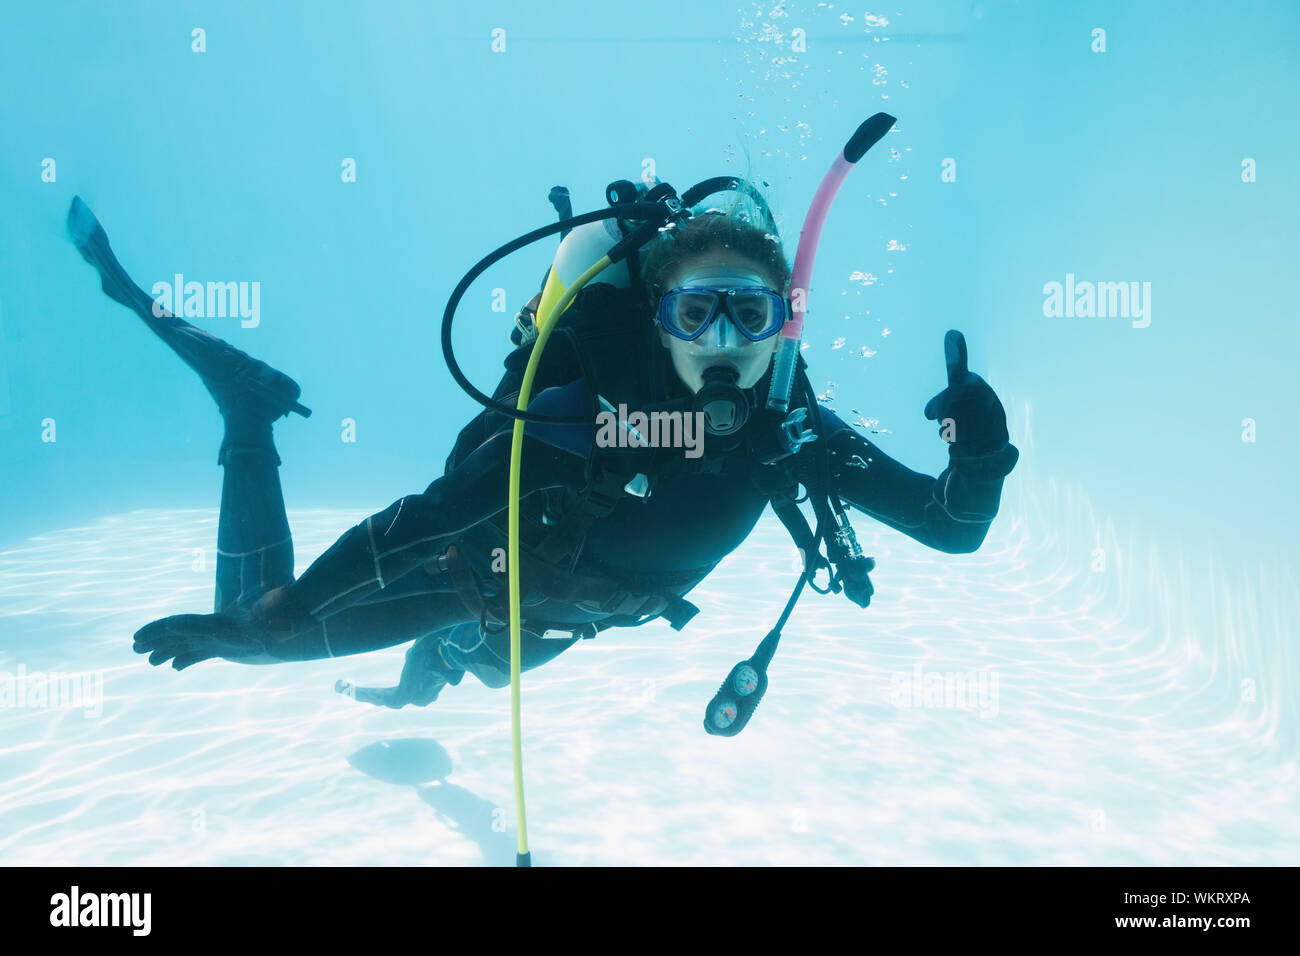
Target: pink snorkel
[(787, 354)]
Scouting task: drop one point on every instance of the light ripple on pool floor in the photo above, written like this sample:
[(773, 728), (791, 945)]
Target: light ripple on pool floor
[(1141, 716)]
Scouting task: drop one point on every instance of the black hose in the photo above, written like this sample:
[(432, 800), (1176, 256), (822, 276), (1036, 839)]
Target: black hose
[(647, 210), (720, 184)]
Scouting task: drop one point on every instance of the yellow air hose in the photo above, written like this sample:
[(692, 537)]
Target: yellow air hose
[(545, 323)]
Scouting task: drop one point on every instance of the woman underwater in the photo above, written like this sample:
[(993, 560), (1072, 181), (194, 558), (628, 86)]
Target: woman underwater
[(610, 536)]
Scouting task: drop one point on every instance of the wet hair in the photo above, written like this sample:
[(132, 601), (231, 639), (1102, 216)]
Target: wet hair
[(738, 229)]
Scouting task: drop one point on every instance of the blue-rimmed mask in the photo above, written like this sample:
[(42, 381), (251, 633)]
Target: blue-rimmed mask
[(741, 315), (756, 312)]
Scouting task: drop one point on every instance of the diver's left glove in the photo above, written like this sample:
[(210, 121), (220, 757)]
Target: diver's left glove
[(971, 418), (247, 634), (424, 675)]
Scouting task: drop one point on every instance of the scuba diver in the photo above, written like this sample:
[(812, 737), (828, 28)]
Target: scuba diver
[(612, 533)]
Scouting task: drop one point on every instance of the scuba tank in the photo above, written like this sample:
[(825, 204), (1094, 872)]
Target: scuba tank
[(581, 246)]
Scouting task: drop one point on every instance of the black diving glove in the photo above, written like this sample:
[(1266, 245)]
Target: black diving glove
[(246, 635), (424, 675), (970, 417)]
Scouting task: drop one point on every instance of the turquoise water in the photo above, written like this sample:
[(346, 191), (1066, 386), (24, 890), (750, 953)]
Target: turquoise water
[(1108, 680)]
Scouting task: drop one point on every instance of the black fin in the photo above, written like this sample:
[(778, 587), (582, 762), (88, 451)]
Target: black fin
[(231, 376)]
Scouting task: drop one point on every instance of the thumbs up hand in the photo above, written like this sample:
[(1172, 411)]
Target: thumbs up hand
[(970, 416)]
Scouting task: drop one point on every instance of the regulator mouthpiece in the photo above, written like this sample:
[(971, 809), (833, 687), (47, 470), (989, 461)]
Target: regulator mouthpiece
[(723, 402)]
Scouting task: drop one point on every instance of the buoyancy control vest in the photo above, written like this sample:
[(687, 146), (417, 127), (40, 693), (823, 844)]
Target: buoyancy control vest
[(607, 338)]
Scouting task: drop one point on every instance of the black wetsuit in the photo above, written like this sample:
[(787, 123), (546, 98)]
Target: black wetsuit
[(379, 584), (382, 583)]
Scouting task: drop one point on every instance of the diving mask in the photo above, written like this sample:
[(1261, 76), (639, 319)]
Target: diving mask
[(719, 325), (756, 312)]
